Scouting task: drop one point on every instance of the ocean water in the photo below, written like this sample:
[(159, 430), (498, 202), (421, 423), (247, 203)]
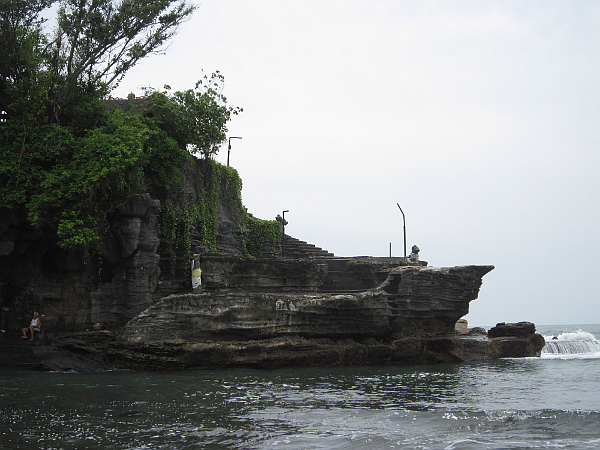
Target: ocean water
[(531, 403)]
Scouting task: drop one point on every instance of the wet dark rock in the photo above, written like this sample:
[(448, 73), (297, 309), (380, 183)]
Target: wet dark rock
[(476, 331), (517, 346), (515, 340), (84, 352), (512, 329)]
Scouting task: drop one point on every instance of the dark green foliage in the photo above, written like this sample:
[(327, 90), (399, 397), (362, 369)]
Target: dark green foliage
[(70, 162), (260, 232), (47, 76), (196, 118), (73, 180)]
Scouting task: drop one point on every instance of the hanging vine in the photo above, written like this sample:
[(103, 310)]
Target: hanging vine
[(259, 233), (188, 215)]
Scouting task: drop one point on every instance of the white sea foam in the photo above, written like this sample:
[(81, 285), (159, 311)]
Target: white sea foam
[(578, 335), (578, 344), (545, 355)]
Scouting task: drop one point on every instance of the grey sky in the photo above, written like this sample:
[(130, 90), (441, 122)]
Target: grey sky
[(479, 117)]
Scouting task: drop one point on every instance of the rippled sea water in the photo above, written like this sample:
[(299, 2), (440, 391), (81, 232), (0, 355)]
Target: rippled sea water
[(547, 402)]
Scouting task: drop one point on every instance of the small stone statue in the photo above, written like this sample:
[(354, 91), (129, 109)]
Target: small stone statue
[(281, 220), (414, 256)]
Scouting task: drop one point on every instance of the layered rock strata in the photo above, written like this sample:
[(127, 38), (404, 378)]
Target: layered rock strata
[(412, 301), (309, 309), (409, 319)]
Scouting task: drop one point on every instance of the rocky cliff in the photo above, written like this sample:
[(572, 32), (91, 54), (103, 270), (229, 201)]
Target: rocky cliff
[(309, 308), (131, 268), (412, 301), (409, 318)]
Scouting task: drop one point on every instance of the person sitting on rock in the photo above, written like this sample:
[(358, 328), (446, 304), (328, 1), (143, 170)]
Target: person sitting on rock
[(34, 326)]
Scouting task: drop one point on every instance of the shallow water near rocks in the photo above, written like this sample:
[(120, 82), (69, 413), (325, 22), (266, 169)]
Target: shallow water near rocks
[(548, 402)]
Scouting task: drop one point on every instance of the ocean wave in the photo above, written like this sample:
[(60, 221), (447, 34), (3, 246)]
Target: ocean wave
[(595, 355), (578, 335)]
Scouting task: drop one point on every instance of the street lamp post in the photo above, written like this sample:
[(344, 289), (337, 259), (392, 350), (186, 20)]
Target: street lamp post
[(283, 222), (229, 147), (404, 227)]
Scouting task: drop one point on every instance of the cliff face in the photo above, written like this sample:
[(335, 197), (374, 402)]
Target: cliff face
[(409, 318), (412, 301), (73, 290), (309, 309)]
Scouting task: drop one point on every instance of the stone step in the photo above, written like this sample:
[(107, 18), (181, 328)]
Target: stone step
[(295, 248)]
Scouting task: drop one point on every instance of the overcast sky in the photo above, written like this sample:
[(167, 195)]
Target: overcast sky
[(479, 117)]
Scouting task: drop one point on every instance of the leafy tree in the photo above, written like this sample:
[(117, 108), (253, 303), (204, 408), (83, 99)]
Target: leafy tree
[(22, 50), (197, 118), (98, 41), (64, 157), (95, 43), (73, 181), (69, 161)]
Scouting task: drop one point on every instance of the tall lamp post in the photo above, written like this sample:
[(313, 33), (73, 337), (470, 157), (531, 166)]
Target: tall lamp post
[(404, 227), (229, 147), (283, 222)]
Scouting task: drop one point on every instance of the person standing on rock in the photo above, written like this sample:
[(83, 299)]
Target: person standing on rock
[(34, 326)]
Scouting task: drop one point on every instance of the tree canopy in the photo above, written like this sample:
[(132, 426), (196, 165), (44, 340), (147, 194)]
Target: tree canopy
[(68, 160), (196, 118), (94, 43)]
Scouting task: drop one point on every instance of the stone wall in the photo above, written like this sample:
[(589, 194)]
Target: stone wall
[(261, 274)]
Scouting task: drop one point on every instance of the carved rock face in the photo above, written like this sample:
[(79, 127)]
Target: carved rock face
[(71, 292)]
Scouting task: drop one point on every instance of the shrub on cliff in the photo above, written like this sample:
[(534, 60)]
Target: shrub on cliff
[(195, 118)]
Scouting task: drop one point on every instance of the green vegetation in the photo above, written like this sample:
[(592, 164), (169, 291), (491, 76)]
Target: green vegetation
[(58, 76), (68, 160), (197, 117)]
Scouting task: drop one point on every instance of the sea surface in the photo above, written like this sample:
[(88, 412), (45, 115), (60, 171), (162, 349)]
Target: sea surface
[(531, 403)]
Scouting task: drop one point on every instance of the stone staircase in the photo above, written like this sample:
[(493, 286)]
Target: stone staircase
[(295, 248)]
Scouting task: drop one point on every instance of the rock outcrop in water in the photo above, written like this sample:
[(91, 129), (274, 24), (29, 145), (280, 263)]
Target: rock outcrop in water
[(309, 308), (408, 319)]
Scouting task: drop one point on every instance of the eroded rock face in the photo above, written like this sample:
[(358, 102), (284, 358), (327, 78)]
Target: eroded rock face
[(226, 316), (515, 340), (134, 264), (409, 319), (73, 291), (512, 329), (413, 301), (431, 298)]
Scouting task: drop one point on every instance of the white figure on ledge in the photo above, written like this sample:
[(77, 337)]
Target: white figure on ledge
[(414, 256)]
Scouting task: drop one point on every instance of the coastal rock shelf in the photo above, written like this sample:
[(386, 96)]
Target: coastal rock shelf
[(412, 301), (409, 319), (301, 306)]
